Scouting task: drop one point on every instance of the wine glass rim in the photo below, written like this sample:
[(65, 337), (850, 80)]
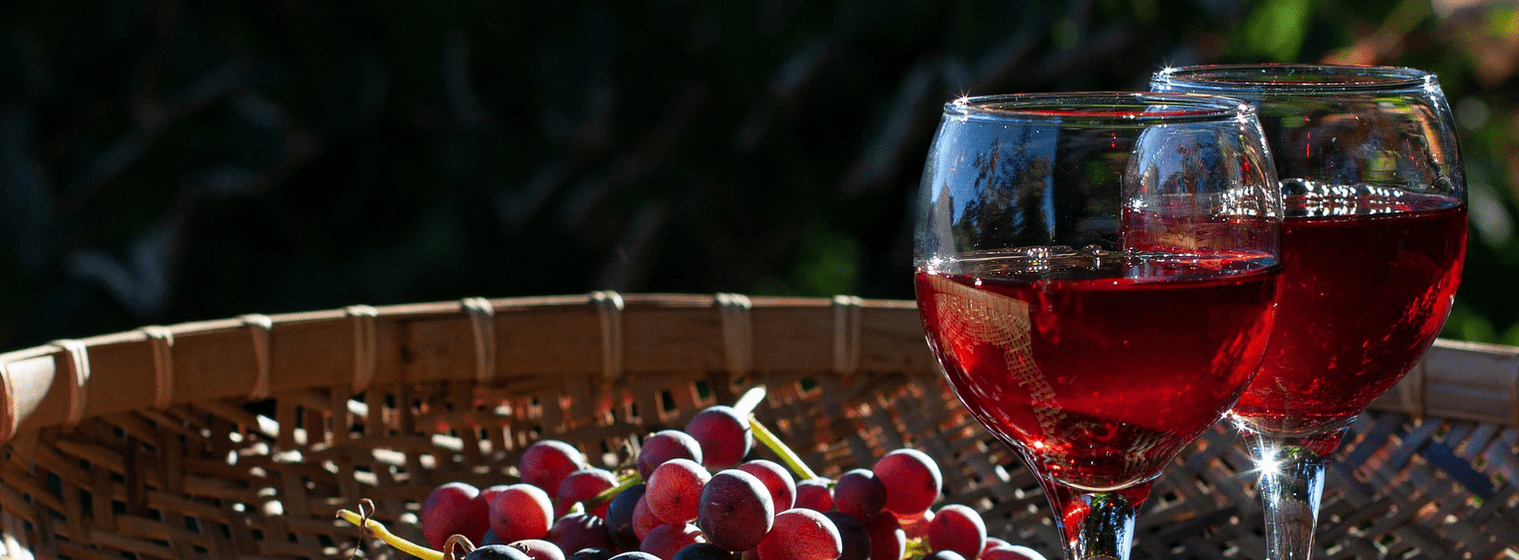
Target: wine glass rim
[(1295, 78), (1100, 107)]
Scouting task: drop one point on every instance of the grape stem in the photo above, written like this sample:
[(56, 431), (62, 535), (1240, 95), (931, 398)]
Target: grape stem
[(378, 530), (792, 460), (745, 405)]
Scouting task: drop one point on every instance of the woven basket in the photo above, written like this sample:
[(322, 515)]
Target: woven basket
[(241, 438)]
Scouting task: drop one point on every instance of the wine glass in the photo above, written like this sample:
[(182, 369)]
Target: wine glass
[(1096, 273), (1372, 248)]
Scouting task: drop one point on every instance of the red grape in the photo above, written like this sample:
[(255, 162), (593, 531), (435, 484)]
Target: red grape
[(736, 510), (488, 494), (777, 480), (620, 515), (1005, 551), (801, 534), (665, 540), (944, 555), (814, 494), (859, 493), (724, 437), (674, 492), (887, 539), (853, 535), (663, 446), (993, 542), (584, 484), (545, 463), (958, 528), (539, 549), (452, 508), (580, 530), (916, 526), (521, 511), (643, 520), (912, 480)]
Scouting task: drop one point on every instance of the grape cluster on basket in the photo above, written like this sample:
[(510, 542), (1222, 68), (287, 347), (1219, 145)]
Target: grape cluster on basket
[(692, 495)]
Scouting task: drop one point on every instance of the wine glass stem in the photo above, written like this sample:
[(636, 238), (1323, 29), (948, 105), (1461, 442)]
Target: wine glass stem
[(1291, 484), (1098, 526)]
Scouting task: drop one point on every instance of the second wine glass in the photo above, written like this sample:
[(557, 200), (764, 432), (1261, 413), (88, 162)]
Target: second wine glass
[(1096, 273), (1372, 249)]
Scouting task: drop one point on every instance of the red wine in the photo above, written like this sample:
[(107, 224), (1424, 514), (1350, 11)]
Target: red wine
[(1098, 368), (1368, 281)]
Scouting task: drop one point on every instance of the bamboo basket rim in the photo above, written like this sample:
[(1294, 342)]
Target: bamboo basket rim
[(61, 382)]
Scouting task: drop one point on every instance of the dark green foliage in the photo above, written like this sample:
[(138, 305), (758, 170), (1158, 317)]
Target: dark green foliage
[(170, 161)]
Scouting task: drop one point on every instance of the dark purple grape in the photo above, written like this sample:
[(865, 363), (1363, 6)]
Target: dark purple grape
[(776, 478), (538, 549), (584, 484), (853, 535), (958, 528), (592, 554), (620, 516), (912, 480), (545, 464), (665, 540), (663, 446), (703, 551), (736, 510), (635, 555), (859, 493), (814, 494), (801, 534), (580, 530), (674, 492), (521, 511), (450, 509), (724, 437), (887, 539), (496, 552)]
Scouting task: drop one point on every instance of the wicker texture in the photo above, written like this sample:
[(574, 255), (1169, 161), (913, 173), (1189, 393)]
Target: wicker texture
[(241, 438)]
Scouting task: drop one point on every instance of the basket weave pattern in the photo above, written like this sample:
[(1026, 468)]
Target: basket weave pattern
[(242, 438)]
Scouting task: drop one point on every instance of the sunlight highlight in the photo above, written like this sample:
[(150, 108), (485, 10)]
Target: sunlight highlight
[(1268, 465)]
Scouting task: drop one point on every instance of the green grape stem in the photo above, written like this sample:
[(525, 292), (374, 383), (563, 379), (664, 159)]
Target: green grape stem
[(378, 530), (627, 480), (769, 439), (751, 399)]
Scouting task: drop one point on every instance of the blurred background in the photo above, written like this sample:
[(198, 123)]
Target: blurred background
[(164, 161)]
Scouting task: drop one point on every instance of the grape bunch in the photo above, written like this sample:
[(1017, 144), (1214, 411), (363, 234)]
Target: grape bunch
[(691, 495)]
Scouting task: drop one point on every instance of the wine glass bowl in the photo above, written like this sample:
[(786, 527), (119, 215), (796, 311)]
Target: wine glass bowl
[(1096, 273), (1372, 248)]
